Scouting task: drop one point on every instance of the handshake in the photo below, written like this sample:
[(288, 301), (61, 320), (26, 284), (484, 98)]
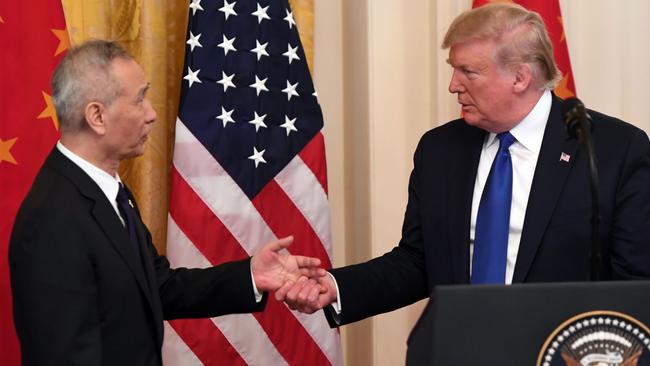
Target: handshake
[(297, 280)]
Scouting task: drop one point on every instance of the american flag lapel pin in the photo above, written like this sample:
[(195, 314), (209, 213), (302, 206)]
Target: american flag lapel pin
[(565, 157)]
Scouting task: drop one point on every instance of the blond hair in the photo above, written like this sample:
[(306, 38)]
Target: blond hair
[(520, 35)]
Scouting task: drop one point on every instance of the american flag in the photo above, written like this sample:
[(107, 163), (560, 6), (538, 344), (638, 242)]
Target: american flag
[(565, 157), (248, 167)]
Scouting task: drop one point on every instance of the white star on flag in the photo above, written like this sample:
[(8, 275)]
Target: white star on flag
[(289, 125), (228, 9), (258, 121), (259, 85), (192, 76), (194, 41), (260, 13), (226, 81), (260, 49), (195, 5), (289, 19), (226, 44), (258, 156), (290, 90), (291, 53), (225, 116)]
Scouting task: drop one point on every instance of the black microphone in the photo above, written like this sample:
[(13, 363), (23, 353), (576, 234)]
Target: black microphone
[(576, 118), (579, 126)]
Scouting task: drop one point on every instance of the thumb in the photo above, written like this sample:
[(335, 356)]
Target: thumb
[(280, 244)]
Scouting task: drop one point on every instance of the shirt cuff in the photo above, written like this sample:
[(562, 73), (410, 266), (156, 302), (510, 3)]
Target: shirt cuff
[(258, 295), (336, 305)]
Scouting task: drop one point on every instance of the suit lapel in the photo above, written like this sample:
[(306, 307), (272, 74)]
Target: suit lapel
[(460, 201), (107, 219), (105, 216), (548, 182)]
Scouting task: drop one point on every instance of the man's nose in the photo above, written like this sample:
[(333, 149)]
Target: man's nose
[(151, 113), (455, 86)]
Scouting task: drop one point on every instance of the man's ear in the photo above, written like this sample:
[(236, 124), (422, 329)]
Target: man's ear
[(94, 117), (523, 78)]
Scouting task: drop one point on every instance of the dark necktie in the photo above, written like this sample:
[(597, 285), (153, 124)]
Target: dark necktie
[(493, 219), (127, 211)]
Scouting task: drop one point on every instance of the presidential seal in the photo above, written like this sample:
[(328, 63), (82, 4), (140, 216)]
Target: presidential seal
[(597, 338)]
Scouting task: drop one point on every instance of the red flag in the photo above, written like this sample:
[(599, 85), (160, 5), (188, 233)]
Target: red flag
[(33, 38), (550, 12)]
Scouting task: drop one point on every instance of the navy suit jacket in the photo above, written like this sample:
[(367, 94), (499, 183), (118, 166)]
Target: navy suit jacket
[(556, 237), (82, 297)]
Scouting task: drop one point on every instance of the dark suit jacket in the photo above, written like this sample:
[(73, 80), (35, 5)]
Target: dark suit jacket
[(81, 296), (556, 237)]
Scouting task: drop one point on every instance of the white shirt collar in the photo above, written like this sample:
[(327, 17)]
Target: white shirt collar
[(107, 183), (530, 131)]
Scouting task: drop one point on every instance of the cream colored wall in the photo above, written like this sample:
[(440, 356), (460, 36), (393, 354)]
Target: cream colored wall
[(609, 46), (382, 81)]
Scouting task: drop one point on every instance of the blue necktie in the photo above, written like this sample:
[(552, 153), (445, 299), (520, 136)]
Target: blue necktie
[(493, 219), (127, 211)]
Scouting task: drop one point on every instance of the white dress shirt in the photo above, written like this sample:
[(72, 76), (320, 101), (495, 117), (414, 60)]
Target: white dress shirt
[(107, 183), (524, 152)]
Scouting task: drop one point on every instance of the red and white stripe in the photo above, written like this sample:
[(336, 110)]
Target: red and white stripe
[(212, 221)]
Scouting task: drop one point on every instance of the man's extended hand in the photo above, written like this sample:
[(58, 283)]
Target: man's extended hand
[(272, 269), (308, 295)]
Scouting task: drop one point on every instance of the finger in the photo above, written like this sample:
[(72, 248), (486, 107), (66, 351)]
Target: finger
[(323, 289), (313, 272), (307, 261), (312, 297), (307, 288), (292, 294), (308, 309), (281, 293), (327, 282), (312, 301), (280, 244)]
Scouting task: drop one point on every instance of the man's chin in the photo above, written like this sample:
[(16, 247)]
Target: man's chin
[(471, 119), (138, 151), (476, 121)]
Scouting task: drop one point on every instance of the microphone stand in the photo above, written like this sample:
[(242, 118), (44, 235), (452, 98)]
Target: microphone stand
[(584, 136)]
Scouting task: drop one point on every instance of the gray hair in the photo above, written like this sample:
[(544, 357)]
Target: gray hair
[(84, 75), (521, 36)]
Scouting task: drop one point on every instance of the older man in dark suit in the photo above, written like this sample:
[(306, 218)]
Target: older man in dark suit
[(89, 287), (502, 195)]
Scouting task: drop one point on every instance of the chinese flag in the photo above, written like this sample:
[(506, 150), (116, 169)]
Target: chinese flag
[(33, 38), (550, 12)]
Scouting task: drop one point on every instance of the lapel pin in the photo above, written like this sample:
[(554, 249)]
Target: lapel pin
[(131, 203), (565, 157)]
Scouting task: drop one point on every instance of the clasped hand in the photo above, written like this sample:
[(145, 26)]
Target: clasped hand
[(296, 280)]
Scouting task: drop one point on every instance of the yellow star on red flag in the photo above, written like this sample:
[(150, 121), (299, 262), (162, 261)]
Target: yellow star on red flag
[(49, 111), (5, 151), (64, 40), (1, 20), (559, 19), (562, 89)]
